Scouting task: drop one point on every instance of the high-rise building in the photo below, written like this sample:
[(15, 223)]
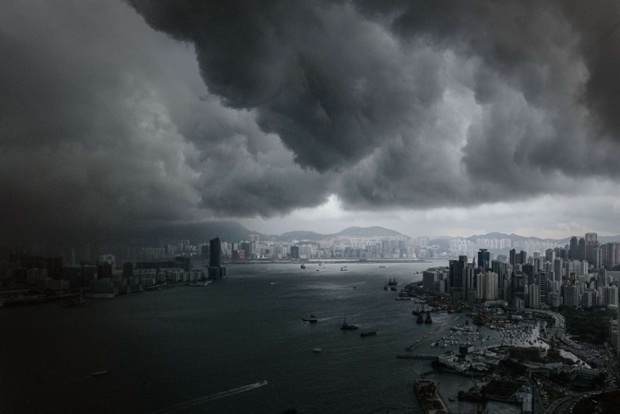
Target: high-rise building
[(456, 275), (484, 259), (573, 252), (216, 270)]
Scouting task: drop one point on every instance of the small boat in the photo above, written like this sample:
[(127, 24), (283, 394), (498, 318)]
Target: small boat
[(394, 288), (348, 327), (303, 266), (385, 287), (100, 373), (311, 319), (369, 333), (344, 268), (317, 350), (392, 282)]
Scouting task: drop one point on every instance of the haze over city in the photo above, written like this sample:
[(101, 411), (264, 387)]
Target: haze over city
[(430, 118)]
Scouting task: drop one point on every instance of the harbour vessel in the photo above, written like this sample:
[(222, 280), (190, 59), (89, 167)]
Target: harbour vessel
[(348, 327), (427, 393), (311, 319)]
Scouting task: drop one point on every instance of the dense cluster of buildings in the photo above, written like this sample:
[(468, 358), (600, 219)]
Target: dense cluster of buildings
[(257, 248), (105, 278), (579, 274)]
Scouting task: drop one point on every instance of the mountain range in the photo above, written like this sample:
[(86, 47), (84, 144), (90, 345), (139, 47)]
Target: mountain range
[(231, 231)]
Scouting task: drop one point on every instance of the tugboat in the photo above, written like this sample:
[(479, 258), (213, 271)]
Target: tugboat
[(311, 319), (428, 318), (348, 327)]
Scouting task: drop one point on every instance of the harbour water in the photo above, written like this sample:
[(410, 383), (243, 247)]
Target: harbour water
[(236, 346)]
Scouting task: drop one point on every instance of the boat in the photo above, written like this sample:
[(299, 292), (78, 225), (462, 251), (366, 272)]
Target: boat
[(344, 268), (385, 287), (392, 282), (317, 350), (427, 393), (100, 373), (416, 312), (369, 333), (428, 318), (311, 319), (348, 327), (303, 266), (420, 318), (393, 288)]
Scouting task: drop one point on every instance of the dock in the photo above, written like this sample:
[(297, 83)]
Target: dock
[(420, 341)]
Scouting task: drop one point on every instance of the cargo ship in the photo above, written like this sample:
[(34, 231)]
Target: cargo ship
[(427, 393)]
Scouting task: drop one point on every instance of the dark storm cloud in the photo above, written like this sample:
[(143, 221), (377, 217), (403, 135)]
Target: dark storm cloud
[(359, 88), (258, 108), (106, 125)]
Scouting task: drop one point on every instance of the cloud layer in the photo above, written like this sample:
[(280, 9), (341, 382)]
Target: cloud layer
[(140, 114)]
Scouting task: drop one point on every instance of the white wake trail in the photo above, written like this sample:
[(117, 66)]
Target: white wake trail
[(197, 401)]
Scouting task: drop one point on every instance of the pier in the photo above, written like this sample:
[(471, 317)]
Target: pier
[(420, 341)]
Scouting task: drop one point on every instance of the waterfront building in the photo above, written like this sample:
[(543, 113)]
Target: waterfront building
[(216, 270), (456, 276)]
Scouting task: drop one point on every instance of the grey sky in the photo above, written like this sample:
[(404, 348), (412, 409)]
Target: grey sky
[(443, 117)]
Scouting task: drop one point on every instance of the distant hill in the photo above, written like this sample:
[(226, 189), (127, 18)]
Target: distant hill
[(375, 231), (300, 235)]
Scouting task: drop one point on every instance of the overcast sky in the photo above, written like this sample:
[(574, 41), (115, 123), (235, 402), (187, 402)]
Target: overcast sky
[(426, 117)]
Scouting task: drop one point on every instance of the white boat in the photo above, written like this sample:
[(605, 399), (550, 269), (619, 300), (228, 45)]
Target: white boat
[(317, 350)]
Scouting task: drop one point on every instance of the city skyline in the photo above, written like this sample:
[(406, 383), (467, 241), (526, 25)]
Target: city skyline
[(439, 119)]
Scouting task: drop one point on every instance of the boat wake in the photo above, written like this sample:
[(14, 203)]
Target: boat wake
[(197, 401)]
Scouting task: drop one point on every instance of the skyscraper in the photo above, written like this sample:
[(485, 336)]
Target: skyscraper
[(484, 259), (216, 271)]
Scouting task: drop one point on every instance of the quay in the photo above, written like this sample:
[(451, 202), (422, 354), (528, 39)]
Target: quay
[(420, 341)]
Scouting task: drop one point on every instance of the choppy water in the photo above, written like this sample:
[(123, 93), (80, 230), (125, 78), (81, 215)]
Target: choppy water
[(209, 349)]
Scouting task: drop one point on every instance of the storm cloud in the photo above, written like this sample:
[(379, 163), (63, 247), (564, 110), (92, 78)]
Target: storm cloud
[(138, 114)]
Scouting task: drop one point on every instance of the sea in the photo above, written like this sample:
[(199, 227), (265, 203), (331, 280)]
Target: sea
[(238, 345)]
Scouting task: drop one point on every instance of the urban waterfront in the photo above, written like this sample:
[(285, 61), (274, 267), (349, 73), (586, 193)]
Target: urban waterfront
[(209, 349)]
